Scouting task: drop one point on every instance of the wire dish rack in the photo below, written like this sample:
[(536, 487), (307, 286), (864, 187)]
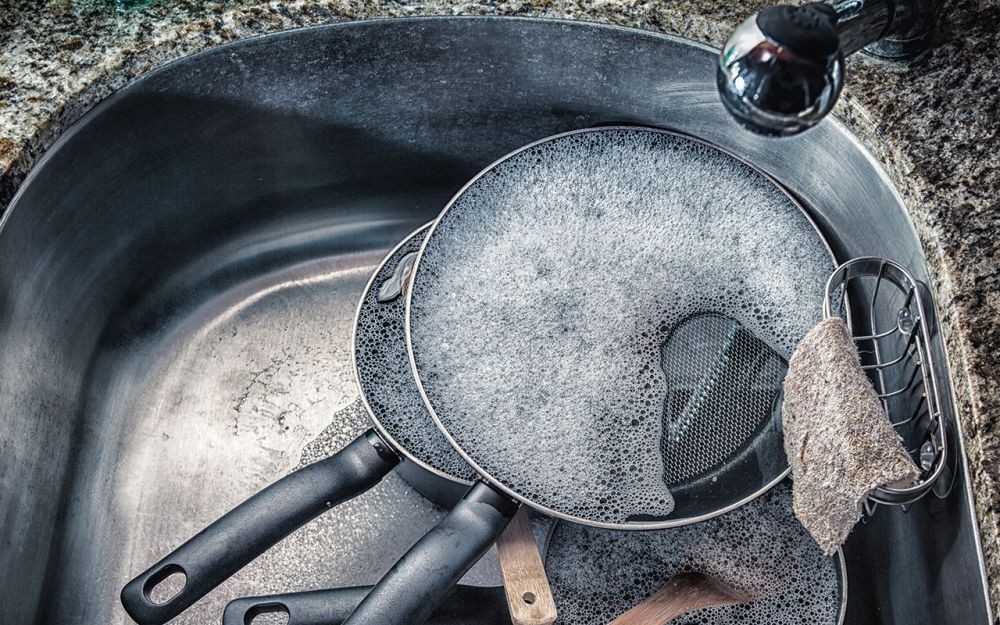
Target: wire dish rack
[(893, 340)]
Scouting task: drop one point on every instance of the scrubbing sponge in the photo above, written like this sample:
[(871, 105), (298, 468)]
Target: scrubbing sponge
[(838, 438)]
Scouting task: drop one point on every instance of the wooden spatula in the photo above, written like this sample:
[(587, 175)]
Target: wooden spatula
[(684, 593), (529, 596)]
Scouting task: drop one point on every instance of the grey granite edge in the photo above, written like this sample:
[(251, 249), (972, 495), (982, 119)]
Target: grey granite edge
[(969, 389)]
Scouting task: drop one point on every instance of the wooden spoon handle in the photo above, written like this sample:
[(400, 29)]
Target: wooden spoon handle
[(684, 593), (529, 596)]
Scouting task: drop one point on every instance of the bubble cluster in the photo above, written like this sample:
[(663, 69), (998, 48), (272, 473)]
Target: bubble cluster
[(538, 302), (383, 368), (760, 549)]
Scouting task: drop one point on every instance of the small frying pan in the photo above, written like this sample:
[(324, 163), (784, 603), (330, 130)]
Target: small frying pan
[(402, 436), (760, 549), (598, 324), (599, 574)]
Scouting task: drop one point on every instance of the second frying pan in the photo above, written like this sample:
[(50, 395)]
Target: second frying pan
[(598, 324), (598, 574)]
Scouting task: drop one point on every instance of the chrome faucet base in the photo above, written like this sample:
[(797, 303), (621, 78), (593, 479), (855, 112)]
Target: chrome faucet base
[(893, 49), (779, 74), (914, 24)]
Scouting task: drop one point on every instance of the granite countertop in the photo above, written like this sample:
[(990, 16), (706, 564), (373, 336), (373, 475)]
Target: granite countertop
[(933, 124)]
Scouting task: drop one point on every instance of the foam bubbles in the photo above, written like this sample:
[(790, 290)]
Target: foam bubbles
[(761, 549), (538, 302), (383, 367)]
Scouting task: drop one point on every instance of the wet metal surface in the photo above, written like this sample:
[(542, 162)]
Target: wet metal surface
[(180, 274), (253, 384)]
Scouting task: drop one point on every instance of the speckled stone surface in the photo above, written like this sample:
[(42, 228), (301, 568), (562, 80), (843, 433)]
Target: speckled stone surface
[(933, 124)]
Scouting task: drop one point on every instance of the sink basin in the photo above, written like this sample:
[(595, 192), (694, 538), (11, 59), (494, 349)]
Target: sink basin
[(180, 272)]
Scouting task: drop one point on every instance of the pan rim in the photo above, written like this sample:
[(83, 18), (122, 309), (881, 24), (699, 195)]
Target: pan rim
[(380, 428), (843, 585), (485, 475)]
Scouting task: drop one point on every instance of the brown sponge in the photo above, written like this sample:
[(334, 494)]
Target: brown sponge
[(838, 439)]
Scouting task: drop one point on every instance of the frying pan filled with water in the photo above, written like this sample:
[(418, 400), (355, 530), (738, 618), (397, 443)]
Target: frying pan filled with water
[(599, 324)]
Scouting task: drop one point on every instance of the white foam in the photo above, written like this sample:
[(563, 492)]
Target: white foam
[(384, 374), (760, 549), (539, 300)]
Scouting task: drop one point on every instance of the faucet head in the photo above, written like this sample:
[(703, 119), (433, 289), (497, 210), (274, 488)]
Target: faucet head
[(783, 68)]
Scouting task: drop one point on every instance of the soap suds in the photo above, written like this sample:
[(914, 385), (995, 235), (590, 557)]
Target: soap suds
[(538, 301), (383, 368), (761, 549)]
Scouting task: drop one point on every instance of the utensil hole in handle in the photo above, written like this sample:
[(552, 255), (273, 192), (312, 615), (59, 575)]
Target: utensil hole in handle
[(165, 584), (267, 614), (529, 597)]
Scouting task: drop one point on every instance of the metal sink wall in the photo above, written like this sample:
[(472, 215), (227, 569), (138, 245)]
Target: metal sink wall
[(182, 204)]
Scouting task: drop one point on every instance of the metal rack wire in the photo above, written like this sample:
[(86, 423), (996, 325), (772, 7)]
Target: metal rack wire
[(894, 346)]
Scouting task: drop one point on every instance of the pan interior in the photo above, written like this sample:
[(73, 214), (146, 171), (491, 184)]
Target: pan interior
[(383, 367), (544, 294), (722, 385), (761, 549)]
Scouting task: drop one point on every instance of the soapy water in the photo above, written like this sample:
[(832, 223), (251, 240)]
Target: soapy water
[(760, 549), (536, 305), (383, 366)]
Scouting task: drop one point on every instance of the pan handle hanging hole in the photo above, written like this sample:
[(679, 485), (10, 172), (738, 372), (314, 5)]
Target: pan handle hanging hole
[(529, 597), (165, 584), (267, 614)]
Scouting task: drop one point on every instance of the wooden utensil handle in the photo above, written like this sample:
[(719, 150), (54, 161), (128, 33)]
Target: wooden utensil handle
[(529, 596), (684, 593)]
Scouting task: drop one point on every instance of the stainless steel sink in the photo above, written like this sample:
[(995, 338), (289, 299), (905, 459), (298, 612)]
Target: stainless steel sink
[(179, 273)]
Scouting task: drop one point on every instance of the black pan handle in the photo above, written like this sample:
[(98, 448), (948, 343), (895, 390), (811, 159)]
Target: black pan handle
[(315, 607), (417, 584), (254, 526), (464, 605)]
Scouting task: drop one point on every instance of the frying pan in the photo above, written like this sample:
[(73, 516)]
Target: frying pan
[(556, 228), (401, 437), (598, 574), (760, 549)]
